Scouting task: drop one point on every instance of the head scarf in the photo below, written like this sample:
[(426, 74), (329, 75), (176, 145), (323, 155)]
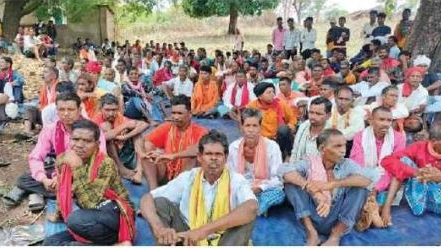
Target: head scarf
[(407, 88), (93, 67), (421, 60), (260, 88)]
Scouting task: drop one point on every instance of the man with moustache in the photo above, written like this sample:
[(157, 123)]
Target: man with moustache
[(178, 139), (208, 205)]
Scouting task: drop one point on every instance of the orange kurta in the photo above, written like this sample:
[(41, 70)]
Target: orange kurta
[(44, 98), (270, 120), (168, 137), (205, 97)]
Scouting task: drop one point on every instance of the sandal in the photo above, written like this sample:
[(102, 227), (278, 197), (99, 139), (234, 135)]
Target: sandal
[(36, 202), (4, 163), (14, 197)]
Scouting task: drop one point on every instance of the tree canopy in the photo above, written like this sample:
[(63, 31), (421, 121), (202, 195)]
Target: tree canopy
[(232, 8)]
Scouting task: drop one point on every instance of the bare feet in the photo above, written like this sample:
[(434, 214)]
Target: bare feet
[(312, 238), (137, 177), (333, 240), (385, 216), (55, 217)]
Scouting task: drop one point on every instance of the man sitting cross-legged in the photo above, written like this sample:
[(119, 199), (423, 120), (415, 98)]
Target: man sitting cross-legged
[(178, 139), (257, 158), (371, 145), (105, 215), (123, 136), (420, 164), (41, 181), (208, 205), (327, 191)]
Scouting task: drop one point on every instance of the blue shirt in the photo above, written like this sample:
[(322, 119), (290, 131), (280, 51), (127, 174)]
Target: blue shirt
[(178, 191), (394, 52), (343, 169), (106, 85), (381, 31)]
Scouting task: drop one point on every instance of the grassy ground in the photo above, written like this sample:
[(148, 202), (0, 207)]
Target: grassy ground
[(175, 26)]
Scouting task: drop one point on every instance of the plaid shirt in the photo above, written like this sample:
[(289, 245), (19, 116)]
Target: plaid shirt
[(91, 193)]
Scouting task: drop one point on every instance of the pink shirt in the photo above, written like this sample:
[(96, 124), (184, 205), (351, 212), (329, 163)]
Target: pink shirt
[(357, 155), (278, 37), (45, 144)]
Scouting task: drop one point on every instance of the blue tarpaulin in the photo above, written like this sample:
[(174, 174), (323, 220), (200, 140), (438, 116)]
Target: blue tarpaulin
[(281, 228)]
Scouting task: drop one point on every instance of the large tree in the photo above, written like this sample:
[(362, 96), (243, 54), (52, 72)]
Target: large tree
[(232, 8), (14, 11), (425, 37)]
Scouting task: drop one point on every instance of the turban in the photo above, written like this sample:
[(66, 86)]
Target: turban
[(421, 60), (407, 88), (412, 70), (260, 88), (93, 67)]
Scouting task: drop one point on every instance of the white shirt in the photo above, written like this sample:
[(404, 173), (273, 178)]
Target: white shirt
[(49, 114), (7, 90), (400, 110), (308, 38), (348, 125), (291, 39), (417, 98), (366, 32), (238, 99), (178, 191), (120, 79), (29, 42), (274, 161), (180, 87), (367, 91)]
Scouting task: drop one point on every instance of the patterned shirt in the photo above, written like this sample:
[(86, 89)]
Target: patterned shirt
[(90, 194)]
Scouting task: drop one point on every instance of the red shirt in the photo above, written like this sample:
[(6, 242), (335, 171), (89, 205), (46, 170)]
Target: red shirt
[(418, 152)]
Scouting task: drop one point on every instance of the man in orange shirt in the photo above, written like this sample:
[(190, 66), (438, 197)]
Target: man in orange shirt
[(278, 121), (178, 138), (205, 94), (47, 96)]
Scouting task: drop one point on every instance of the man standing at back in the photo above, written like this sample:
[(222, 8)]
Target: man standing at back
[(291, 40), (308, 38), (278, 36)]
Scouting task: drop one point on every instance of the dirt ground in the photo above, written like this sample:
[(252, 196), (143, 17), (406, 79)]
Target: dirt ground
[(16, 152)]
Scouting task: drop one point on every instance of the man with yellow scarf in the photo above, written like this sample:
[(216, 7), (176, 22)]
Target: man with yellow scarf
[(208, 205)]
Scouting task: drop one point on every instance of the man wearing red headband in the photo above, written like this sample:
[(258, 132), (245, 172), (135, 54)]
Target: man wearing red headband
[(412, 93)]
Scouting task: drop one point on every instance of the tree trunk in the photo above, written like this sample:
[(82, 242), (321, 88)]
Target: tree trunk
[(234, 14), (14, 11), (425, 36), (11, 18), (298, 9)]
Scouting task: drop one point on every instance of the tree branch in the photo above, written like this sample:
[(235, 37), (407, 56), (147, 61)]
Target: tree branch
[(31, 6)]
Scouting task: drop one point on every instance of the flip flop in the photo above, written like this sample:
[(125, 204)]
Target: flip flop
[(14, 197), (4, 163), (36, 202)]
